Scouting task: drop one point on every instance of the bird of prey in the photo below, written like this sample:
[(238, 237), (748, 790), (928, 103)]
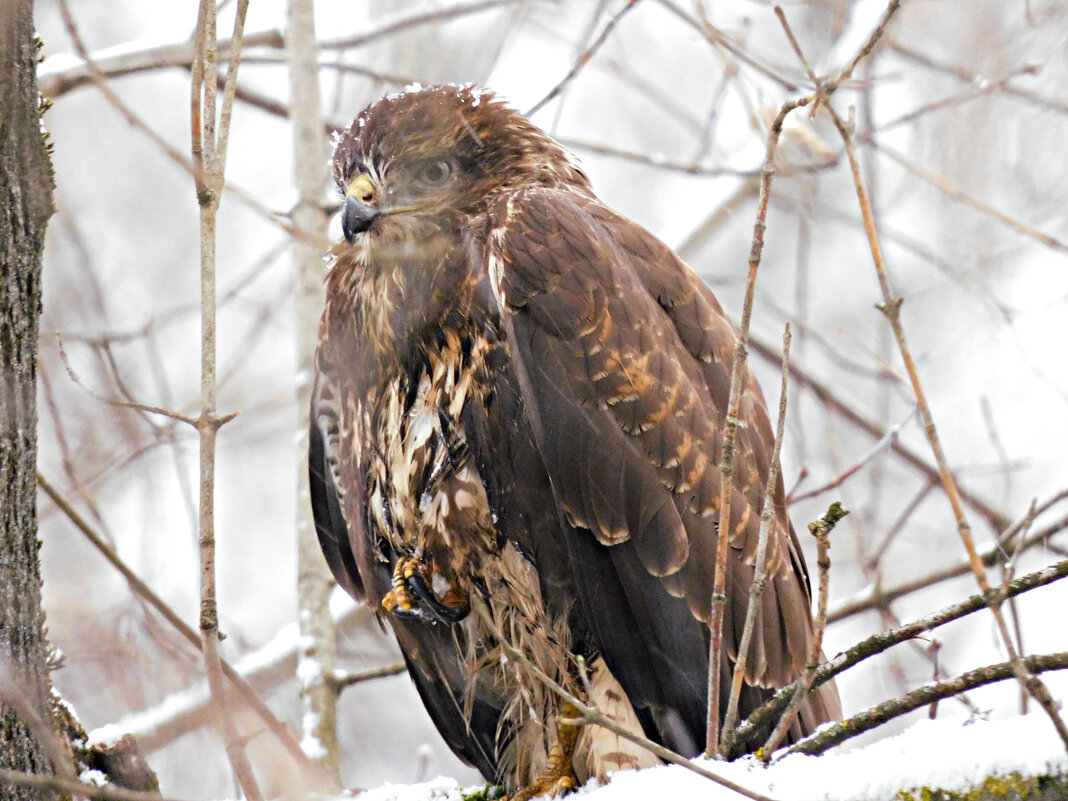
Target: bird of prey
[(519, 400)]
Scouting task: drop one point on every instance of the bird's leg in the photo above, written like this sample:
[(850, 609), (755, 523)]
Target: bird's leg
[(412, 597), (398, 601), (558, 776)]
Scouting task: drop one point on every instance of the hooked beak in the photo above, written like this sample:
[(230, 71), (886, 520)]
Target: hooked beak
[(360, 209), (356, 217)]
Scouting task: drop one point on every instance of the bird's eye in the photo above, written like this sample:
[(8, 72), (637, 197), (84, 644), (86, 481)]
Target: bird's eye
[(436, 173)]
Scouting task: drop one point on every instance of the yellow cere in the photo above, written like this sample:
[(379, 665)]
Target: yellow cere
[(362, 188)]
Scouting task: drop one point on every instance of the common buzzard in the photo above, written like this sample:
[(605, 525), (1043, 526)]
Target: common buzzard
[(520, 396)]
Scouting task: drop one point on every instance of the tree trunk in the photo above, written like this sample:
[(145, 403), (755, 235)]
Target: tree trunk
[(25, 206), (318, 692)]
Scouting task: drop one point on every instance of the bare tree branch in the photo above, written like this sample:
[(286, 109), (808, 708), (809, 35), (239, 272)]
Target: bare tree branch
[(878, 643), (837, 733), (829, 398), (416, 20), (343, 680), (209, 159), (871, 598), (57, 77), (821, 529), (974, 79), (756, 589)]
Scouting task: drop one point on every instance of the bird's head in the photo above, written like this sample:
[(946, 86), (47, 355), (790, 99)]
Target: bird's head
[(424, 159)]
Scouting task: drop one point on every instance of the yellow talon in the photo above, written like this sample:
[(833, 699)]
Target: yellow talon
[(412, 595), (558, 777)]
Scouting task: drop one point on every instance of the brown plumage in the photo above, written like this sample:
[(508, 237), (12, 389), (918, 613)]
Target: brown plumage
[(520, 395)]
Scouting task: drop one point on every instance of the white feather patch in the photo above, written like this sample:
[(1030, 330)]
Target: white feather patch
[(599, 751)]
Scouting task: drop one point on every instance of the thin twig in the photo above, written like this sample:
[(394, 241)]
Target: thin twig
[(416, 20), (878, 643), (343, 680), (891, 309), (730, 426), (15, 778), (821, 529), (837, 733), (876, 36), (189, 709), (875, 555), (721, 42), (832, 402), (879, 447), (974, 79), (122, 404), (195, 167), (740, 354), (756, 589), (974, 92), (950, 189), (209, 159), (141, 589), (584, 58), (659, 161), (178, 313), (1008, 571), (993, 555), (591, 714)]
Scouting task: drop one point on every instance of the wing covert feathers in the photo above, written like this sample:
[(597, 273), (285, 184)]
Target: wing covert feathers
[(628, 358)]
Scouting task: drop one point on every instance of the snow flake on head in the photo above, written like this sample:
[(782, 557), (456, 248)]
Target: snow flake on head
[(469, 90), (411, 88)]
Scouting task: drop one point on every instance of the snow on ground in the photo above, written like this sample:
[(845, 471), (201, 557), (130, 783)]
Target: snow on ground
[(948, 753)]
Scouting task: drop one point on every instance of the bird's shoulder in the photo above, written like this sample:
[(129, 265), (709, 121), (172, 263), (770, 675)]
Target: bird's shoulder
[(565, 241)]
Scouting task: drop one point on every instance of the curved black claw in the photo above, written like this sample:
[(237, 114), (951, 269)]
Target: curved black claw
[(443, 612), (413, 613), (411, 598)]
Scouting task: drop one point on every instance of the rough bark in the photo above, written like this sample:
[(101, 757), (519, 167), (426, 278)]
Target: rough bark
[(25, 206)]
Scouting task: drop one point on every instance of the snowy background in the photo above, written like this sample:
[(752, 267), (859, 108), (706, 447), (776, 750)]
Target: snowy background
[(669, 122)]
